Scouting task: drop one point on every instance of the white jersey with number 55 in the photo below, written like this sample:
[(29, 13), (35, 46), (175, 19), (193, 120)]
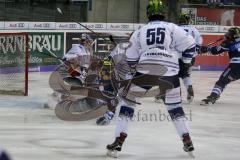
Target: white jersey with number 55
[(155, 42)]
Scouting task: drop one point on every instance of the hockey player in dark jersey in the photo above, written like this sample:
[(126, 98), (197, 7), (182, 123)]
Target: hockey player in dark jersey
[(105, 74), (231, 44), (4, 155)]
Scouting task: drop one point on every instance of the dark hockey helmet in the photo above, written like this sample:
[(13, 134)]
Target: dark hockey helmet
[(184, 18), (155, 8), (233, 33)]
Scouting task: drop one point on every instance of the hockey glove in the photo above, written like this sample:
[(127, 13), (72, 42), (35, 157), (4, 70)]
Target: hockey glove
[(105, 119), (184, 70), (204, 49), (73, 72)]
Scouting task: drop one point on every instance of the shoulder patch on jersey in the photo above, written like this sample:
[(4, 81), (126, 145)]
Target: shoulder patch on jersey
[(80, 46), (218, 48)]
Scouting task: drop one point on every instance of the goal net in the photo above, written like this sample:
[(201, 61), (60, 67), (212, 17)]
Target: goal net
[(13, 63)]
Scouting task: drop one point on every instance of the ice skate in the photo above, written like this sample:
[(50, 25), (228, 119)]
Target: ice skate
[(209, 101), (116, 146), (190, 94), (158, 99), (105, 119), (188, 145)]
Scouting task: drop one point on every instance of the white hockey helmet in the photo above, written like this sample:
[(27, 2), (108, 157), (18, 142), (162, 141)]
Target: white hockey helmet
[(85, 38)]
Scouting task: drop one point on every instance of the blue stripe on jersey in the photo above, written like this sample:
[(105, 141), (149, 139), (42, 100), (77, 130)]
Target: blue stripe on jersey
[(131, 62), (132, 59), (217, 91), (161, 61), (187, 55), (190, 50), (174, 65)]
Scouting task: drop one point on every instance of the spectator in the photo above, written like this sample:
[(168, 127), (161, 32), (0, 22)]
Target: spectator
[(218, 2), (213, 1)]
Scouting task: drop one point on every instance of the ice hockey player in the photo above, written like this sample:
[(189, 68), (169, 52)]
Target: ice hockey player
[(78, 57), (152, 44), (105, 74), (115, 56), (77, 61), (186, 69), (4, 155), (231, 44)]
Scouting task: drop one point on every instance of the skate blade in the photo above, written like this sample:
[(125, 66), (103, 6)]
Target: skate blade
[(190, 100), (46, 106), (204, 104), (112, 154), (191, 155), (158, 101)]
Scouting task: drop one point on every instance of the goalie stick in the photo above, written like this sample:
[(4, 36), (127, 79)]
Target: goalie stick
[(51, 54)]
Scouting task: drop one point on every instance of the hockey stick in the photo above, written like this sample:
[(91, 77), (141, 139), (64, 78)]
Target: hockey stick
[(199, 47), (216, 41), (61, 12), (95, 33), (51, 54), (112, 40)]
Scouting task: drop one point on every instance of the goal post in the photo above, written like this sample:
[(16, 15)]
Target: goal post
[(14, 57)]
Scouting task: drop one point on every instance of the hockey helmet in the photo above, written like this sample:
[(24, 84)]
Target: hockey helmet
[(155, 7), (233, 33), (107, 63), (183, 18), (85, 38)]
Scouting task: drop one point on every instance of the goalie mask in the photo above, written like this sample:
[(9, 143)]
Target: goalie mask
[(232, 34), (85, 39)]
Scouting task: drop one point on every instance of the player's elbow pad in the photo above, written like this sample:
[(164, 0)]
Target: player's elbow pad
[(132, 63), (189, 53)]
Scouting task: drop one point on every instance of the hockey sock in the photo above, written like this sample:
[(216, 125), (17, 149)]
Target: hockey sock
[(179, 120), (187, 82), (216, 91), (125, 115)]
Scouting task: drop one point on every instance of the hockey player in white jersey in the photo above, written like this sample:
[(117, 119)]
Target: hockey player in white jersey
[(78, 58), (77, 61), (185, 69), (152, 44)]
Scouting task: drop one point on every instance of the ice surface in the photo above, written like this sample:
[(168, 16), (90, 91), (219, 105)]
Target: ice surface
[(29, 132)]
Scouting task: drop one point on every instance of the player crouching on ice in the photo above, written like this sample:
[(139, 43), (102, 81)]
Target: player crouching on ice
[(152, 44), (110, 65), (231, 44), (76, 61), (105, 74)]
